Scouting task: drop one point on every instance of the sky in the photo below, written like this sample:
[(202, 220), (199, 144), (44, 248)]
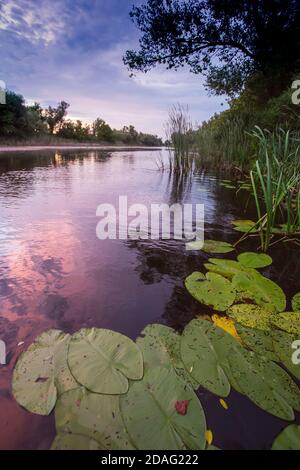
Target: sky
[(71, 50)]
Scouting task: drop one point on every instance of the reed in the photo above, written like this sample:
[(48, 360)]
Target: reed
[(179, 131)]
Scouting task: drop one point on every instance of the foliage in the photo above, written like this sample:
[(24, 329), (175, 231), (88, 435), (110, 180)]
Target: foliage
[(19, 122), (227, 41)]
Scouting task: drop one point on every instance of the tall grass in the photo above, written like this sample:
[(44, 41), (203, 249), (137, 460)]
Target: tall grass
[(276, 184), (179, 131)]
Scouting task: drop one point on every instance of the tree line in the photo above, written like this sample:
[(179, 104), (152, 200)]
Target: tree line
[(19, 121)]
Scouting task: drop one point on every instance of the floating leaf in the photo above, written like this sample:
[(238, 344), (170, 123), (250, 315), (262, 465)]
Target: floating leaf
[(214, 246), (254, 260), (251, 316), (150, 416), (41, 373), (160, 346), (103, 360), (66, 441), (209, 437), (223, 404), (244, 226), (288, 439), (259, 341), (282, 344), (225, 267), (227, 324), (181, 406), (287, 321), (265, 383), (212, 290), (296, 302), (200, 357), (265, 292), (93, 415)]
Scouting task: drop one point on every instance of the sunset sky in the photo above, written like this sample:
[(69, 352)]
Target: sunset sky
[(72, 50)]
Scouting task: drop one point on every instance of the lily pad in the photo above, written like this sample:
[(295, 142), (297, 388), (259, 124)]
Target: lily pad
[(265, 292), (103, 360), (265, 383), (287, 321), (259, 341), (225, 267), (150, 415), (66, 441), (212, 290), (227, 324), (244, 226), (212, 246), (201, 358), (160, 346), (251, 316), (282, 344), (254, 260), (296, 302), (93, 415), (288, 439), (41, 373)]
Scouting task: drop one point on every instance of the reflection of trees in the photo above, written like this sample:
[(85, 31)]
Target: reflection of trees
[(17, 170)]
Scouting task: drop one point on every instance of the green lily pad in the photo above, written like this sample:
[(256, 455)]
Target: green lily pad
[(265, 383), (265, 292), (65, 441), (150, 415), (200, 357), (287, 321), (211, 246), (244, 226), (288, 439), (259, 341), (296, 302), (103, 360), (251, 316), (225, 267), (254, 260), (282, 344), (212, 290), (41, 373), (160, 346), (92, 415)]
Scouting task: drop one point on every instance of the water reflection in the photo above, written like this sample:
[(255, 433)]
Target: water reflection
[(55, 273)]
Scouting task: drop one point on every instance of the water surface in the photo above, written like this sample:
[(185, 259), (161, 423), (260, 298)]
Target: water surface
[(55, 273)]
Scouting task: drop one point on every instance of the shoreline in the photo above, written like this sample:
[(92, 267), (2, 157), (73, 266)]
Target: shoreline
[(28, 148)]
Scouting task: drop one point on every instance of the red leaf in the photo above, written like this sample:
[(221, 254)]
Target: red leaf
[(181, 406)]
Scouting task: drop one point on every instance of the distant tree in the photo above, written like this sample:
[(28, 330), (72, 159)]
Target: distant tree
[(102, 132), (227, 40), (35, 119), (55, 116), (13, 115), (130, 135)]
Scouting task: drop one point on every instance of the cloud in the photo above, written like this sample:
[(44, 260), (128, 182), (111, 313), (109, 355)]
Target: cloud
[(37, 24)]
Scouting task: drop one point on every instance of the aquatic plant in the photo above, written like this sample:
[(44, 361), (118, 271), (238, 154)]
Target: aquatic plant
[(288, 439)]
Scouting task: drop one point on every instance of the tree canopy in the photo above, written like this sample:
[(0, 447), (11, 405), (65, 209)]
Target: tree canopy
[(226, 40)]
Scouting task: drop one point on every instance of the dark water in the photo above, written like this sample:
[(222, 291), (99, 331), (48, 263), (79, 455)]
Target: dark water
[(55, 273)]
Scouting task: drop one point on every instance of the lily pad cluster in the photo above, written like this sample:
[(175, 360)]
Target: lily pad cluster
[(244, 347), (110, 392)]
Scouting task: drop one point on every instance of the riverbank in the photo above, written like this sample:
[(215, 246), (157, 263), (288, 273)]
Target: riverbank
[(30, 148)]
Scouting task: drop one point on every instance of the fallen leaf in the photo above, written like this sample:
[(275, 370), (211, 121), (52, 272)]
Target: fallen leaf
[(223, 403), (181, 406), (209, 437)]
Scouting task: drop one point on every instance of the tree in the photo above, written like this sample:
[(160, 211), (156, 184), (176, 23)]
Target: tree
[(55, 116), (102, 131), (227, 40), (13, 115)]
